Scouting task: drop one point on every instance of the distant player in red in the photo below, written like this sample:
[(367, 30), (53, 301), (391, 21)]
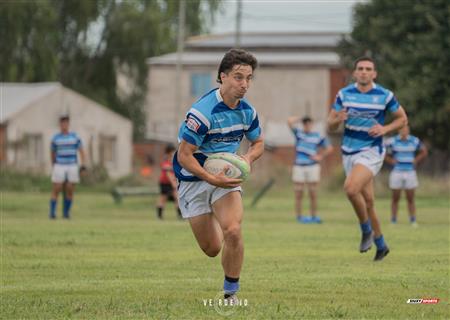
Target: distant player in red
[(167, 183)]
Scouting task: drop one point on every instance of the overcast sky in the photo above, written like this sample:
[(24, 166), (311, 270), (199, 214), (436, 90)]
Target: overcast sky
[(283, 15)]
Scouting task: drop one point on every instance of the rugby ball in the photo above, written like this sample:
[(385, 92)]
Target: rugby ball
[(236, 166)]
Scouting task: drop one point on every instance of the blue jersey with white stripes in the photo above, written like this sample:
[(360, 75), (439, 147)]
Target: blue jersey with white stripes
[(403, 151), (65, 147), (214, 127), (307, 144), (364, 111)]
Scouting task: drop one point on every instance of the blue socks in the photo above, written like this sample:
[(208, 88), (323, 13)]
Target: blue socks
[(366, 227), (412, 219), (379, 242), (230, 285), (52, 213), (66, 208)]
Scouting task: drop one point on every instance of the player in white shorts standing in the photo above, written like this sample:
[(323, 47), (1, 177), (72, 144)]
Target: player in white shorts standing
[(217, 122), (310, 149), (404, 153), (64, 148), (362, 107)]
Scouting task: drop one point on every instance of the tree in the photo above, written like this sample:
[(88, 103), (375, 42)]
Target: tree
[(410, 41), (92, 46)]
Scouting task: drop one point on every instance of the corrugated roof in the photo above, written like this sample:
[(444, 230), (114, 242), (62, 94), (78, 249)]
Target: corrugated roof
[(267, 40), (264, 58), (15, 97)]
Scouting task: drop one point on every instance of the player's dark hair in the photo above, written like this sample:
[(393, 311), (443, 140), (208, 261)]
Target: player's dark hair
[(364, 58), (169, 148), (306, 119), (236, 57)]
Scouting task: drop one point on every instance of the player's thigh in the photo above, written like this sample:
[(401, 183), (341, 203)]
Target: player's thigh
[(229, 210), (411, 181), (396, 194), (410, 193), (73, 174), (395, 180), (206, 231), (299, 187), (312, 186), (58, 174), (358, 178), (57, 187), (69, 187)]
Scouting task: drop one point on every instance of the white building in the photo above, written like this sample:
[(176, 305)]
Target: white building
[(29, 119)]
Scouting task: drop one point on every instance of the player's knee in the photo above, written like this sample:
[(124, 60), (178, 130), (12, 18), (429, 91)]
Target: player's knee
[(232, 235), (350, 190), (211, 250)]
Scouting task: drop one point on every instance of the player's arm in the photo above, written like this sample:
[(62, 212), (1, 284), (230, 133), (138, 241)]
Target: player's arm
[(291, 121), (400, 120), (390, 159), (422, 154), (185, 157), (335, 118), (323, 153), (172, 179), (255, 151), (53, 152)]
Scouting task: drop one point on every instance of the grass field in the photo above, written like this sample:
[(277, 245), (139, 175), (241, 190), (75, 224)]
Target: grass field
[(119, 262)]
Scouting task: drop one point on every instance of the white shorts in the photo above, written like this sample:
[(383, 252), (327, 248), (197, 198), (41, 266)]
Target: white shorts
[(65, 172), (309, 174), (196, 197), (371, 158), (403, 180)]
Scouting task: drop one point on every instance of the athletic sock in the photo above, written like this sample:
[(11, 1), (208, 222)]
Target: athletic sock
[(412, 219), (66, 207), (366, 227), (394, 219), (230, 286), (159, 212), (52, 213), (379, 242)]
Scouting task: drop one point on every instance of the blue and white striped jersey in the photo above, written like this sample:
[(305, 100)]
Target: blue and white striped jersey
[(403, 151), (307, 144), (364, 111), (65, 147), (214, 127)]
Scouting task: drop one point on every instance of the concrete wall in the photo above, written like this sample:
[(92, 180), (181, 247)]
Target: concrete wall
[(90, 120), (277, 93)]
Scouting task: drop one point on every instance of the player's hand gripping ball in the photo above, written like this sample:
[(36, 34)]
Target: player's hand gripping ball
[(234, 165)]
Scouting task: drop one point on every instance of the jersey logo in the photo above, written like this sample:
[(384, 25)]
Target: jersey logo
[(192, 124)]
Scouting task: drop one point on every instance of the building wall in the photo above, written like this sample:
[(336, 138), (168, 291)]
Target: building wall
[(91, 121), (2, 144), (276, 93)]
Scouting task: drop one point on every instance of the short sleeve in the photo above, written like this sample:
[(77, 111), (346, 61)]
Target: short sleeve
[(338, 102), (53, 145), (253, 132), (196, 127), (392, 104)]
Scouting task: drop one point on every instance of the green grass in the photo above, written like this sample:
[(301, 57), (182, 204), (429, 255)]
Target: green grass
[(119, 262)]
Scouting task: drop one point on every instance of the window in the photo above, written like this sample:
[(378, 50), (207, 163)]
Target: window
[(108, 151), (200, 84), (33, 150)]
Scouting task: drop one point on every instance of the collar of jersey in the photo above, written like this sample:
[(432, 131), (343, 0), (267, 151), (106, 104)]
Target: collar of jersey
[(374, 86), (220, 101)]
